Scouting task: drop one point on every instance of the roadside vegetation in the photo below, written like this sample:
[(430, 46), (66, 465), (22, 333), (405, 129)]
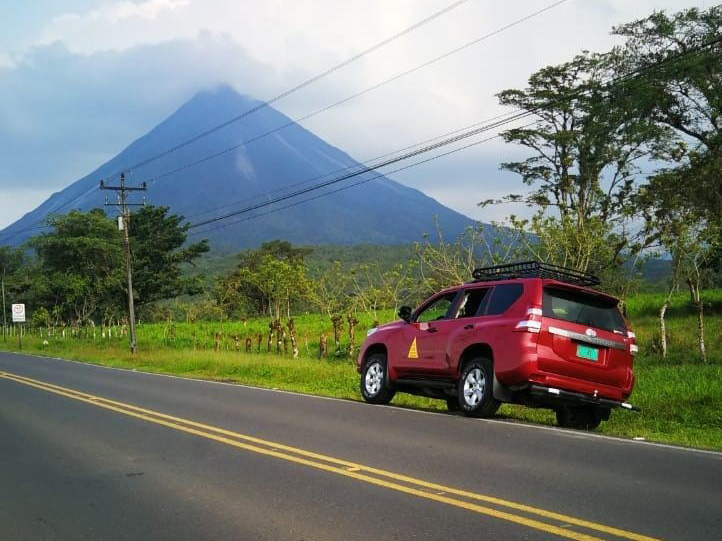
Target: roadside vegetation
[(293, 317), (681, 398)]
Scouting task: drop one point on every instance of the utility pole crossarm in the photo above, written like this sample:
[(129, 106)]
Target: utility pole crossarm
[(143, 187), (124, 205)]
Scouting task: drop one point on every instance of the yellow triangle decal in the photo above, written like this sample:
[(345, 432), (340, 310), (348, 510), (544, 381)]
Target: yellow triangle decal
[(413, 353)]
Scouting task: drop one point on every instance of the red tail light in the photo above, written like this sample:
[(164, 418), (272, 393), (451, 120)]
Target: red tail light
[(532, 322), (633, 347)]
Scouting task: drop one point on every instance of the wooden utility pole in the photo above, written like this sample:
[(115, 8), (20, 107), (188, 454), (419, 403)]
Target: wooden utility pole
[(5, 316), (123, 224)]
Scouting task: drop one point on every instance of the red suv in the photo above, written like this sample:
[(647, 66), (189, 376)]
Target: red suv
[(527, 333)]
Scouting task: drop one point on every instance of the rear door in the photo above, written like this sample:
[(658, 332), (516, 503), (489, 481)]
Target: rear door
[(583, 336)]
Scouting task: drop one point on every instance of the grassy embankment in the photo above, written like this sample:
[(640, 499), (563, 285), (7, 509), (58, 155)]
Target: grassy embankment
[(681, 398)]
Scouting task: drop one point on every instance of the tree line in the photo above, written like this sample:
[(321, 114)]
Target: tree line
[(74, 274)]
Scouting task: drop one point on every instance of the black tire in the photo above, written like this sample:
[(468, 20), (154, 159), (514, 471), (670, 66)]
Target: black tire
[(475, 389), (374, 382), (580, 418)]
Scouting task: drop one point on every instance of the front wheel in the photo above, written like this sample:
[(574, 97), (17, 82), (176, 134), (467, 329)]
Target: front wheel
[(375, 382), (475, 389)]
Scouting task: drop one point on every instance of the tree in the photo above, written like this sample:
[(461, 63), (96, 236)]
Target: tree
[(279, 282), (685, 95), (80, 263), (443, 263), (673, 222), (684, 91), (250, 283), (278, 249), (376, 288), (682, 201), (10, 262), (156, 240), (228, 297), (585, 145), (330, 291), (695, 261)]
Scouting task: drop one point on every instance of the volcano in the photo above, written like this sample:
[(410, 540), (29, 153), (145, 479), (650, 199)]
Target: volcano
[(379, 211)]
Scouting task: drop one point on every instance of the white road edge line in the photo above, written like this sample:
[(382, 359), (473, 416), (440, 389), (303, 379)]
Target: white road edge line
[(564, 431)]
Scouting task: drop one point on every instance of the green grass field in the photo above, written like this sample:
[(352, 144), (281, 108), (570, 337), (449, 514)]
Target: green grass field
[(681, 398)]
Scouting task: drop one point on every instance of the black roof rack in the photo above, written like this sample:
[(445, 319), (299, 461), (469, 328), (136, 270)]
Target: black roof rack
[(535, 269)]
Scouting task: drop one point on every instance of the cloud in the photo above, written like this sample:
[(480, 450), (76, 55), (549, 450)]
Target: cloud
[(120, 11), (99, 77), (63, 114), (118, 25), (6, 61)]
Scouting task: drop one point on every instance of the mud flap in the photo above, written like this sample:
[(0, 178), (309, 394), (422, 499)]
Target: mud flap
[(501, 392)]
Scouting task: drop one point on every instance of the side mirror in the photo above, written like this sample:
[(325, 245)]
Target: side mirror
[(405, 313)]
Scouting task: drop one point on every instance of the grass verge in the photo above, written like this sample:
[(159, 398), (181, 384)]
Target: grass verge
[(681, 403)]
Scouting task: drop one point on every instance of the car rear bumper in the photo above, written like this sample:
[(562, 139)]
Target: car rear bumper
[(552, 396), (531, 374)]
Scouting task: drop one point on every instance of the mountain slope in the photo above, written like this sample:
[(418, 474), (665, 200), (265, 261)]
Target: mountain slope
[(380, 211)]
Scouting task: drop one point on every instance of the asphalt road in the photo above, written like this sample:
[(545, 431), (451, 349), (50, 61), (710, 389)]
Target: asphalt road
[(94, 453)]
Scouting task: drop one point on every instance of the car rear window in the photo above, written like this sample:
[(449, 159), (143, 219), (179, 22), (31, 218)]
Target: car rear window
[(578, 307)]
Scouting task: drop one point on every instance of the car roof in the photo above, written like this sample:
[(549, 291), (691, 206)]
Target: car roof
[(544, 281)]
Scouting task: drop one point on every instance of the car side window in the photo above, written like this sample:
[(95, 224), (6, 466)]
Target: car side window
[(438, 309), (471, 303), (502, 297)]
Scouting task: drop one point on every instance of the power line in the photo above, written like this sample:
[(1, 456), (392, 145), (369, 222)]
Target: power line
[(385, 163), (470, 133), (348, 98), (366, 162), (284, 94), (39, 224), (342, 188), (12, 234), (304, 84), (695, 50)]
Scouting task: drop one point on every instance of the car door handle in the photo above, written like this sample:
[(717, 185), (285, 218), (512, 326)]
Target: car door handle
[(468, 327), (432, 329)]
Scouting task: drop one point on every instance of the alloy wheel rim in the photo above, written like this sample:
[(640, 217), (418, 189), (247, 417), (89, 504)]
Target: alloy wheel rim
[(374, 379), (474, 385)]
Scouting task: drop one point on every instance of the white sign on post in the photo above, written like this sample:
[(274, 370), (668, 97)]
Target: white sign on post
[(18, 313)]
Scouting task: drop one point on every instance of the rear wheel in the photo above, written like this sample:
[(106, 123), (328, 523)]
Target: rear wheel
[(581, 418), (475, 389), (375, 381)]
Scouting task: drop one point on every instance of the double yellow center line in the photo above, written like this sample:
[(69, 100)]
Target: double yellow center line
[(517, 513)]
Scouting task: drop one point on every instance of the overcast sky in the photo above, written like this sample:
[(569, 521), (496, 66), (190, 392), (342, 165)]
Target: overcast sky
[(81, 79)]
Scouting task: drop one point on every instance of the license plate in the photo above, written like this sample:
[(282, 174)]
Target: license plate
[(585, 352)]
